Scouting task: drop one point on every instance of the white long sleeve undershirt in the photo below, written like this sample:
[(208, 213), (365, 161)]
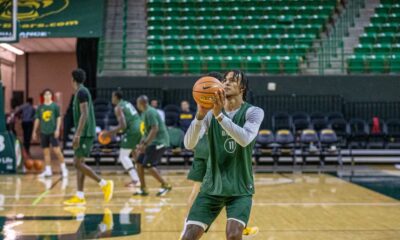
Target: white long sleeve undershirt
[(242, 135)]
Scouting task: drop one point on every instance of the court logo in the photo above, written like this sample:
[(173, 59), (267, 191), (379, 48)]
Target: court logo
[(29, 10), (230, 145)]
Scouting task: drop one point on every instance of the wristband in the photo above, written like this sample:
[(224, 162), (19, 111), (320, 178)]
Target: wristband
[(219, 117)]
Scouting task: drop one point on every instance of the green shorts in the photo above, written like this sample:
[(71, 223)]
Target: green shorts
[(206, 208), (85, 147), (198, 170), (129, 141)]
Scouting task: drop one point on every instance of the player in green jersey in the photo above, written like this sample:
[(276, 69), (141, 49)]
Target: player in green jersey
[(85, 132), (129, 124), (48, 119), (199, 167), (152, 146), (231, 126)]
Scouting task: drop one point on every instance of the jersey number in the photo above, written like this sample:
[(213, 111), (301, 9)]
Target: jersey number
[(132, 109), (230, 145)]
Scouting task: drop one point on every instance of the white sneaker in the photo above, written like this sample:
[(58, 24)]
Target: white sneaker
[(45, 174), (64, 173)]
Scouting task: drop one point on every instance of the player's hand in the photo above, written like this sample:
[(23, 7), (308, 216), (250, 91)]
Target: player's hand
[(56, 134), (219, 102), (75, 142), (34, 136), (201, 112)]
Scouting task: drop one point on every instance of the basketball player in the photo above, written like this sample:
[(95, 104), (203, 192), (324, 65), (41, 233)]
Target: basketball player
[(199, 167), (231, 127), (85, 132), (152, 146), (48, 118), (128, 123)]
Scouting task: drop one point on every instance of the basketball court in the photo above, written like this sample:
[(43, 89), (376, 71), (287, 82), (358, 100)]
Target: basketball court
[(312, 66), (286, 206)]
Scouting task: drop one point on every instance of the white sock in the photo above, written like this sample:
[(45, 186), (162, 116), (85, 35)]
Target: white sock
[(80, 194), (127, 163), (48, 169), (63, 167), (102, 183), (134, 175)]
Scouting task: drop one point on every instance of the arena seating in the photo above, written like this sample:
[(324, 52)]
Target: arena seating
[(291, 134), (379, 48), (264, 36)]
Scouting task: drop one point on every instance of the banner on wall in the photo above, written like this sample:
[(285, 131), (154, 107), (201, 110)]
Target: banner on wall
[(54, 18)]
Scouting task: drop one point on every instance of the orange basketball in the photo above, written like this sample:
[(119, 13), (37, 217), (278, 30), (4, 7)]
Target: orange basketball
[(38, 165), (102, 139), (204, 90), (28, 164)]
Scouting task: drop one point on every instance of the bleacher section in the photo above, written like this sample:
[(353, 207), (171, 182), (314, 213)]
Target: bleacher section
[(379, 48), (293, 127), (256, 36)]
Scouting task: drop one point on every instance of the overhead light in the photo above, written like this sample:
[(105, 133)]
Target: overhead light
[(12, 49)]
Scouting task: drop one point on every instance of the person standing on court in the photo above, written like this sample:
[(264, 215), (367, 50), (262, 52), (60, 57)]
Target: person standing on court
[(27, 113), (129, 125), (231, 126), (85, 132), (152, 146), (48, 119)]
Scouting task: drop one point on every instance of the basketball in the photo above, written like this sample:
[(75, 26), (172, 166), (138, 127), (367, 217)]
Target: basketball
[(38, 165), (204, 90), (103, 140), (29, 164)]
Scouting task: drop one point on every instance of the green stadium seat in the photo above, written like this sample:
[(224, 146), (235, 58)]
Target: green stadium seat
[(395, 49), (382, 49), (290, 64), (376, 64), (194, 64), (225, 50), (232, 62), (355, 64), (253, 64), (203, 40), (191, 50), (171, 40), (156, 64), (209, 50), (267, 37), (175, 64), (172, 50), (272, 64), (213, 63), (155, 50), (367, 39), (394, 63), (245, 50), (272, 39), (363, 49)]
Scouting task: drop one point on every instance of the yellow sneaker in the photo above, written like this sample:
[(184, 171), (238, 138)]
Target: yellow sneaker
[(249, 232), (108, 191), (108, 220), (75, 210), (75, 201)]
